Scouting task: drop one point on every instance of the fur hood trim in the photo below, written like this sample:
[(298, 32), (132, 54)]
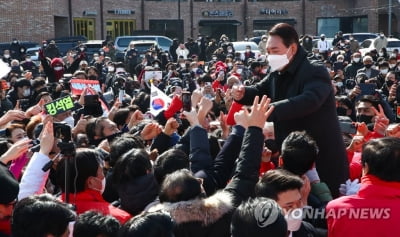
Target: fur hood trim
[(207, 211)]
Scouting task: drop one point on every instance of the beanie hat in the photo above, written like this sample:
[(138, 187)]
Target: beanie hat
[(56, 61), (9, 186)]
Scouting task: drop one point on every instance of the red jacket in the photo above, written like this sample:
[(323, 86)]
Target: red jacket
[(373, 211), (92, 200)]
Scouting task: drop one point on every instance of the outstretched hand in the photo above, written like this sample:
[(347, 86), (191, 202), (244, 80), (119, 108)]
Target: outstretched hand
[(260, 111)]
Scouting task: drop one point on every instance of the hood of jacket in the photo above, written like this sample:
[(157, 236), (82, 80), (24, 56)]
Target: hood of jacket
[(207, 211)]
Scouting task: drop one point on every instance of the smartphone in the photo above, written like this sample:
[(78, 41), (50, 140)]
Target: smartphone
[(91, 99), (187, 101), (121, 95), (348, 127)]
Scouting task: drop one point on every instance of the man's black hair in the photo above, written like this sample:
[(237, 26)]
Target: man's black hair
[(178, 186), (83, 165), (168, 162), (382, 156), (286, 32), (274, 182), (41, 215), (132, 164), (299, 152), (94, 224), (258, 217), (122, 144), (155, 224)]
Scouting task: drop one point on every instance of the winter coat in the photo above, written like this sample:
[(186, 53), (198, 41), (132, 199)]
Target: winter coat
[(303, 99), (92, 200), (375, 210), (212, 216)]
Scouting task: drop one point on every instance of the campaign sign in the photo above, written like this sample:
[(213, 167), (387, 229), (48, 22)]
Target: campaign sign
[(149, 75), (77, 85), (60, 105)]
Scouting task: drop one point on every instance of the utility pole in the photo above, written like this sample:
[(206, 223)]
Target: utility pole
[(390, 18)]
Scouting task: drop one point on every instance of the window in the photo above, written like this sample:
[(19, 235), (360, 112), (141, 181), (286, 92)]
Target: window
[(85, 27), (117, 28)]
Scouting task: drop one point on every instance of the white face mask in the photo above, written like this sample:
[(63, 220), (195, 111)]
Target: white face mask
[(230, 64), (96, 58), (155, 57), (70, 121), (239, 71), (294, 219), (264, 71), (356, 60), (82, 49), (392, 65), (182, 65), (384, 71), (28, 60), (27, 92), (214, 58), (278, 61), (110, 69), (380, 54), (6, 55), (58, 68)]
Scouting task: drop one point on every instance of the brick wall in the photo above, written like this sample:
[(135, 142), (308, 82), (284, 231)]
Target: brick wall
[(35, 21)]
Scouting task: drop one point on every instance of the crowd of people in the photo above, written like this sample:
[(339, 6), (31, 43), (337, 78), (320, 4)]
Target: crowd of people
[(262, 141)]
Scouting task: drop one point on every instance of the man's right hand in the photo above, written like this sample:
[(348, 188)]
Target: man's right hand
[(238, 92)]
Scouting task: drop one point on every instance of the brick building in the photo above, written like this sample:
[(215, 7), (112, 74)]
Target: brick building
[(97, 19)]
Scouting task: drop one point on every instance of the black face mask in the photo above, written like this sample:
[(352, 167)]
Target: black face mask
[(341, 111), (364, 118), (368, 65), (92, 77)]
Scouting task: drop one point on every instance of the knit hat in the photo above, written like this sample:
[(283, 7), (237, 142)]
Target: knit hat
[(9, 186), (56, 61)]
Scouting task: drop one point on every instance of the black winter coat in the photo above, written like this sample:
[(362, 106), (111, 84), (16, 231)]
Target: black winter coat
[(303, 98)]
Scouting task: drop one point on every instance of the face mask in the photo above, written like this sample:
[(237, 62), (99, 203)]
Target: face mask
[(341, 44), (230, 64), (6, 55), (317, 55), (364, 118), (248, 50), (340, 60), (264, 40), (382, 36), (278, 61), (229, 50), (214, 58), (155, 57), (27, 92), (92, 77), (351, 39), (264, 71), (58, 68), (82, 49), (194, 69), (335, 52), (44, 45), (103, 185), (380, 54), (294, 219), (110, 69), (70, 121), (356, 60), (96, 58), (339, 84), (368, 65), (392, 65), (239, 71), (15, 42), (22, 50), (156, 65), (384, 71), (182, 65), (28, 60)]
